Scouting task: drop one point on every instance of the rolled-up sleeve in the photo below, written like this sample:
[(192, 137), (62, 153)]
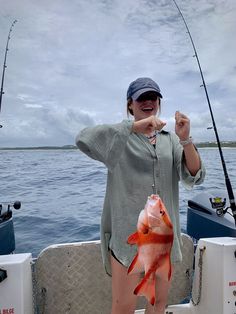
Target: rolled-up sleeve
[(187, 179), (105, 142), (185, 176)]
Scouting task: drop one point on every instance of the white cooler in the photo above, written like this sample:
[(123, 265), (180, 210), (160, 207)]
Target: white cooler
[(16, 290)]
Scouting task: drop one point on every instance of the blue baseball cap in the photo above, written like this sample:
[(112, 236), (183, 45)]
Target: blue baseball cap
[(142, 85)]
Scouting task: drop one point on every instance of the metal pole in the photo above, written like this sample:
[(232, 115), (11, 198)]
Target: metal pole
[(4, 64), (227, 180)]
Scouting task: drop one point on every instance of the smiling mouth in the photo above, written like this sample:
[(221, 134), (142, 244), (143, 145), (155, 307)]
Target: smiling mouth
[(147, 109)]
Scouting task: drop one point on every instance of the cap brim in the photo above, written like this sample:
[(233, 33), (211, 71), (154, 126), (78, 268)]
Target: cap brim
[(136, 95)]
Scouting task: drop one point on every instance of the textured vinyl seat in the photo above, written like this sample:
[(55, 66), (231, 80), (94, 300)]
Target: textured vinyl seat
[(70, 279)]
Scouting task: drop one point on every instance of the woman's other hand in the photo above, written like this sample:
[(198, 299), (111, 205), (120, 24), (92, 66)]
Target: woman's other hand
[(182, 126)]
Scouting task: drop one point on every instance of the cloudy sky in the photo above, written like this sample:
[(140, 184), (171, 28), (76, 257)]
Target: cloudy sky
[(70, 63)]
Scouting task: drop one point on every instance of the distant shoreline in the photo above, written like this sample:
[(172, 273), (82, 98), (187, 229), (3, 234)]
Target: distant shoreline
[(224, 144), (40, 147), (214, 144)]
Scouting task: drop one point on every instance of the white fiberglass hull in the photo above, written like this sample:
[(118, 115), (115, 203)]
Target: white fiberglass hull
[(69, 278)]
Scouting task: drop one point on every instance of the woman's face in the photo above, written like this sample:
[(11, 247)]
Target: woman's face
[(145, 106)]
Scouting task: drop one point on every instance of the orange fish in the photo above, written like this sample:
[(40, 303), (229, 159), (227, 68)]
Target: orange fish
[(154, 239)]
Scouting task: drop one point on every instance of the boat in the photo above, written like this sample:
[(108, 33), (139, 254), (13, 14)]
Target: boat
[(70, 278)]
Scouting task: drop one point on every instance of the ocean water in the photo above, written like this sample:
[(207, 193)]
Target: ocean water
[(62, 193)]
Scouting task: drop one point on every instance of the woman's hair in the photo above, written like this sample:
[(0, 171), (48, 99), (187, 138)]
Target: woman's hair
[(130, 111)]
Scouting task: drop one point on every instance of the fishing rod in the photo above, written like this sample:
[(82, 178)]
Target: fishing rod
[(5, 64), (227, 180)]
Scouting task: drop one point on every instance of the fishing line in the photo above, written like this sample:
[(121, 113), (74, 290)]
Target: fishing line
[(227, 180)]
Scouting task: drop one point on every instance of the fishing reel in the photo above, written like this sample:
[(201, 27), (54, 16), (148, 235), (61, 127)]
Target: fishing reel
[(7, 234), (218, 203), (7, 214)]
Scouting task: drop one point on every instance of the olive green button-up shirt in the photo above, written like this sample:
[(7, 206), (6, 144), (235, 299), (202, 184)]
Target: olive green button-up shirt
[(136, 169)]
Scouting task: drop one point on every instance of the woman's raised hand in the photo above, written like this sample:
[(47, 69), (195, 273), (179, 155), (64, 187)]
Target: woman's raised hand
[(182, 126), (148, 125)]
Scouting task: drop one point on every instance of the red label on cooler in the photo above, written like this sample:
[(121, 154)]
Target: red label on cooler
[(232, 283), (7, 311)]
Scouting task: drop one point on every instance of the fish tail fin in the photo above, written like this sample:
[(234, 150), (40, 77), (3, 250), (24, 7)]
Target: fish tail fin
[(147, 287), (136, 266)]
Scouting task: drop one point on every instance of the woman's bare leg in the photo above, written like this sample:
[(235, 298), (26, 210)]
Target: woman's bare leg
[(123, 285)]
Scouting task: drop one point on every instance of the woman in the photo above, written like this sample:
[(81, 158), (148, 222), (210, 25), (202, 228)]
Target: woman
[(142, 159)]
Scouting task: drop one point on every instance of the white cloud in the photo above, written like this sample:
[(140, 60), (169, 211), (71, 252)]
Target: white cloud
[(34, 106), (70, 63)]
